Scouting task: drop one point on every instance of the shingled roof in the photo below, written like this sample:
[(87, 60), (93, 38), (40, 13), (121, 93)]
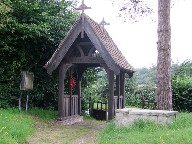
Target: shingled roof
[(100, 33)]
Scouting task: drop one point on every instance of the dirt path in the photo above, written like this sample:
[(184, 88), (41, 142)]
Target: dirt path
[(52, 133)]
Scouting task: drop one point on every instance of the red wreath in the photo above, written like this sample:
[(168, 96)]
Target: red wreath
[(72, 83)]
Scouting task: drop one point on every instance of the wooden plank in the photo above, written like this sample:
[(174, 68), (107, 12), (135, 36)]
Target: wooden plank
[(76, 105), (85, 60), (111, 95), (101, 49)]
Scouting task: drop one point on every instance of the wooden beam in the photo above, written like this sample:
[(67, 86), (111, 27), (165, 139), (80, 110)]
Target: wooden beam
[(62, 73), (111, 95), (122, 87), (80, 70), (85, 59), (92, 49), (118, 90), (100, 47), (79, 95), (85, 44), (61, 92), (80, 50)]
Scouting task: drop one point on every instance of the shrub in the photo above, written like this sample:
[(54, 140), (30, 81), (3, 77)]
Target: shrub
[(182, 93)]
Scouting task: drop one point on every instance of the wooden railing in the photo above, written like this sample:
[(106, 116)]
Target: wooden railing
[(99, 109)]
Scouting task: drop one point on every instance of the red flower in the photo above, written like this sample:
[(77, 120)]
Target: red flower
[(72, 83)]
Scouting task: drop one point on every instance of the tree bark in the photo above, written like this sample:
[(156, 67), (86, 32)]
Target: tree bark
[(164, 93)]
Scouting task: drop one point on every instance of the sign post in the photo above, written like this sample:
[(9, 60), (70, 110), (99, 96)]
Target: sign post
[(27, 79)]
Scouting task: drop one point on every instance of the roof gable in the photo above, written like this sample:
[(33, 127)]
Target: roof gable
[(101, 41)]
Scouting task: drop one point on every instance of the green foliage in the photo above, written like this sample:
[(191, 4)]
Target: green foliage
[(94, 87), (30, 31), (182, 87), (146, 76), (146, 132), (45, 115), (143, 83), (135, 91), (14, 126)]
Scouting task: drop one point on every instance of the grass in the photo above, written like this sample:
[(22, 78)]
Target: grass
[(39, 126), (142, 132), (14, 126), (45, 115)]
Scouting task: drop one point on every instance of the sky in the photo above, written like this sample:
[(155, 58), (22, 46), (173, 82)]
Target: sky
[(137, 41)]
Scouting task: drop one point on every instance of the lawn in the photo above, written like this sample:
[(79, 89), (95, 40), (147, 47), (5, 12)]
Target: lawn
[(39, 126), (179, 132), (14, 126)]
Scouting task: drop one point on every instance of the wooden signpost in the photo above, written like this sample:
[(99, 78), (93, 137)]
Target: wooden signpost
[(26, 84)]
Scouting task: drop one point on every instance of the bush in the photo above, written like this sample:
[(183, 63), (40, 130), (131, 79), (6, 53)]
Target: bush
[(134, 98), (182, 87), (182, 93), (30, 31)]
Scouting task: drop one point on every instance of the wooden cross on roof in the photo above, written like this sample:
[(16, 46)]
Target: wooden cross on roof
[(103, 23), (82, 7)]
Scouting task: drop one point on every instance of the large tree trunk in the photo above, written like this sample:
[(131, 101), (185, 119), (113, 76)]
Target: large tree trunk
[(164, 93)]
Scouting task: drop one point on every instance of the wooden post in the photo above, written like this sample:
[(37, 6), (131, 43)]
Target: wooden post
[(79, 95), (70, 93), (118, 90), (122, 88), (61, 92), (111, 95), (20, 101)]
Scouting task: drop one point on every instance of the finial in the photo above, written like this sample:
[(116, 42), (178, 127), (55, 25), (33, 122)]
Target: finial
[(83, 7), (103, 23)]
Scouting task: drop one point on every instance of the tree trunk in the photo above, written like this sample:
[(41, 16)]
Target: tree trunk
[(164, 93)]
